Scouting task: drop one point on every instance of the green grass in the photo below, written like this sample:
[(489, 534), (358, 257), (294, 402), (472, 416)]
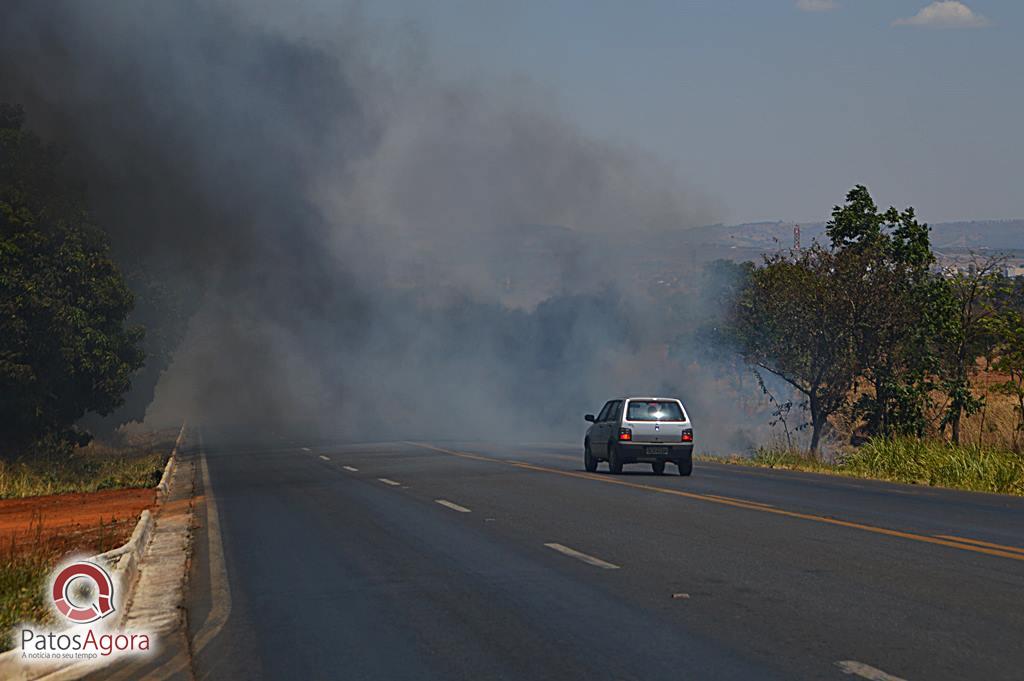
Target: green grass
[(938, 464), (22, 585), (910, 460)]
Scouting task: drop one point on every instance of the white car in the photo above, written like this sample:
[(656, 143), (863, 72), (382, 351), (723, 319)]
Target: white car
[(653, 430)]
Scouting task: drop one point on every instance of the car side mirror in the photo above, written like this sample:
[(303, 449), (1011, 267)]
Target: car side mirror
[(589, 417)]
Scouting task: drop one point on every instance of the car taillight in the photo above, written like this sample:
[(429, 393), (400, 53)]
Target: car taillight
[(687, 435), (625, 434)]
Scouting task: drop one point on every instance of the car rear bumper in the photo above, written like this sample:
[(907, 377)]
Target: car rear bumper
[(640, 452)]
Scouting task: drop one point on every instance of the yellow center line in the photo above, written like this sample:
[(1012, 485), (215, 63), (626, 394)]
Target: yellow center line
[(745, 501), (989, 544), (941, 540)]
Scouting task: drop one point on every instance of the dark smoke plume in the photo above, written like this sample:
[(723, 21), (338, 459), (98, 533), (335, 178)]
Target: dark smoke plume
[(374, 250)]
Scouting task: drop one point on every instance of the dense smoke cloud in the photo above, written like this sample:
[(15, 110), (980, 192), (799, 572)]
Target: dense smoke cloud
[(378, 250)]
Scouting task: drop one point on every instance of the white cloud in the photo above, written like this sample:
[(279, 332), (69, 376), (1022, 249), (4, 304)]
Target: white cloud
[(816, 5), (945, 14)]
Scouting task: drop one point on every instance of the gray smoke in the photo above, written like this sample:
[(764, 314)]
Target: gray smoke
[(380, 251)]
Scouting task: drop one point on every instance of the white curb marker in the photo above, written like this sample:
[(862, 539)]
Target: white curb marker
[(865, 671), (590, 560), (452, 505)]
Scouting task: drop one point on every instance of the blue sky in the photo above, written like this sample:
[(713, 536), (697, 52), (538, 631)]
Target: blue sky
[(771, 110)]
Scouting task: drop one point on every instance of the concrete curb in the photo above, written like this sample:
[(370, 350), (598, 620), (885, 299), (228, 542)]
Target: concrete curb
[(124, 562), (164, 486)]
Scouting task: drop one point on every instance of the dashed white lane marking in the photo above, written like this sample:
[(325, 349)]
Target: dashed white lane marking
[(390, 482), (452, 505), (306, 449), (325, 458), (590, 560), (350, 468), (865, 671)]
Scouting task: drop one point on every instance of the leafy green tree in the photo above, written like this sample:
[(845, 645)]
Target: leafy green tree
[(894, 235), (64, 346), (797, 318), (897, 323)]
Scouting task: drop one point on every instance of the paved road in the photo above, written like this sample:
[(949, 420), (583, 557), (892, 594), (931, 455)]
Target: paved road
[(483, 561)]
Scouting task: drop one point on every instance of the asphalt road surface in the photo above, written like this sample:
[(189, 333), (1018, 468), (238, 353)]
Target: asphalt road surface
[(445, 560)]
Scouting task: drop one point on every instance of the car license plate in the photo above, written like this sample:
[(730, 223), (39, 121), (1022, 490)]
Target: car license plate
[(657, 451)]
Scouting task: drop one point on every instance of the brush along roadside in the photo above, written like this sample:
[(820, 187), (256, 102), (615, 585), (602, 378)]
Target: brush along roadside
[(908, 460), (137, 461)]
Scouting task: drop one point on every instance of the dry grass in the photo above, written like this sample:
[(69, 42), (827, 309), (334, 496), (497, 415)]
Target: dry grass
[(98, 466), (996, 424)]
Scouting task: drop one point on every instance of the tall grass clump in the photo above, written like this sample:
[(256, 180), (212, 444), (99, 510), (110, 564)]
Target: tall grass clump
[(970, 467)]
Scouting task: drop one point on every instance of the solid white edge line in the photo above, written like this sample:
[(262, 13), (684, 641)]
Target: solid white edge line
[(386, 481), (351, 468), (590, 560), (452, 505), (865, 671)]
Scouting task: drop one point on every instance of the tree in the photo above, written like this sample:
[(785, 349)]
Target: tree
[(64, 346), (966, 304), (897, 324), (1008, 329), (797, 318)]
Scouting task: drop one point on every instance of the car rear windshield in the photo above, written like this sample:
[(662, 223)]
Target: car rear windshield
[(654, 410)]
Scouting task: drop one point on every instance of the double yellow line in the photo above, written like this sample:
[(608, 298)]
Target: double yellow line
[(962, 543)]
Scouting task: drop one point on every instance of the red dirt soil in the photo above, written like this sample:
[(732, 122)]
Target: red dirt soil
[(108, 516)]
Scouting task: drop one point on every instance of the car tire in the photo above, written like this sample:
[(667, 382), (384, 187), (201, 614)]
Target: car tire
[(614, 464), (589, 462), (685, 467), (658, 467)]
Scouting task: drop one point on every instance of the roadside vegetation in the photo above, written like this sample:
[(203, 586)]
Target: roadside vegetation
[(908, 460), (873, 362), (876, 363), (71, 346), (22, 591), (66, 347), (95, 467)]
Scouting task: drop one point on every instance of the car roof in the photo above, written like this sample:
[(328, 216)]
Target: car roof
[(651, 399)]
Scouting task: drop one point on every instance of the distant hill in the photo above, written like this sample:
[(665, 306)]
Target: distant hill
[(1001, 235), (995, 235)]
